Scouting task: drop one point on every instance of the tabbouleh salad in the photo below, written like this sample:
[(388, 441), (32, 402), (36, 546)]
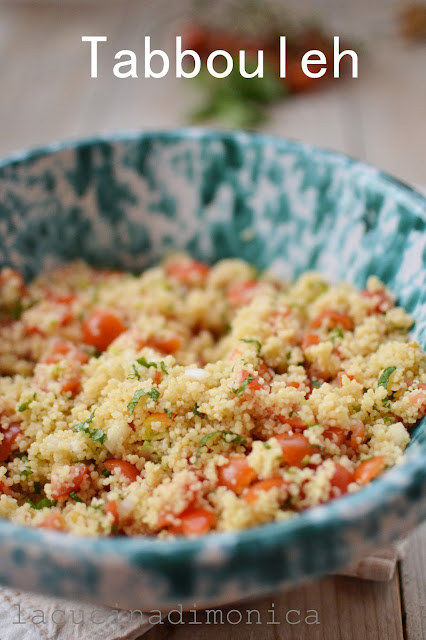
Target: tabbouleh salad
[(193, 398)]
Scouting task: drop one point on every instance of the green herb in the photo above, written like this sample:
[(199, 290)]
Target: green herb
[(388, 419), (240, 391), (385, 377), (26, 405), (75, 497), (97, 435), (266, 445), (237, 101), (386, 403), (21, 454), (316, 383), (256, 342), (227, 436), (26, 472), (168, 413), (44, 502), (195, 410), (37, 487), (337, 333), (305, 460), (356, 408), (154, 394), (163, 368), (114, 528), (144, 363), (135, 375), (106, 473)]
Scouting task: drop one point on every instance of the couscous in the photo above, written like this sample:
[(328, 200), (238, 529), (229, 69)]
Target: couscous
[(193, 398)]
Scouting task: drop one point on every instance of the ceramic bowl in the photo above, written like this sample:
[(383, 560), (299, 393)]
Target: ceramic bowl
[(123, 202)]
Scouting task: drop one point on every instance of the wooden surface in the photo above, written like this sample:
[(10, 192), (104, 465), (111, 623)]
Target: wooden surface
[(47, 94)]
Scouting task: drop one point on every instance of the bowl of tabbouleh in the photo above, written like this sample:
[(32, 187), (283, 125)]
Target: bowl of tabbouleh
[(212, 366)]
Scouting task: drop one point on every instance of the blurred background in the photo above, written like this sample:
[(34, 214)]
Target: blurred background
[(47, 93)]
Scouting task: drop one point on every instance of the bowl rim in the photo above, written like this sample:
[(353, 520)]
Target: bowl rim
[(350, 509)]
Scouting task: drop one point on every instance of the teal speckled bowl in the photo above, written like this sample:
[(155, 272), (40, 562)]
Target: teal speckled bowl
[(123, 202)]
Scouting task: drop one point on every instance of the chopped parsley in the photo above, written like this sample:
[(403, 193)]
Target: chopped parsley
[(163, 368), (44, 502), (195, 410), (26, 405), (75, 497), (388, 419), (135, 375), (37, 487), (154, 394), (168, 413), (250, 341), (144, 363), (26, 472), (266, 445), (227, 436), (316, 383), (385, 377), (106, 473), (97, 435), (337, 333), (240, 391)]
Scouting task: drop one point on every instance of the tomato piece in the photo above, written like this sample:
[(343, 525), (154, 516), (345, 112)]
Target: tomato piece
[(53, 521), (4, 488), (9, 438), (309, 340), (62, 487), (127, 469), (265, 372), (253, 492), (295, 448), (194, 522), (187, 271), (63, 298), (241, 293), (236, 474), (336, 435), (333, 319), (166, 345), (383, 302), (101, 327), (294, 421), (111, 507), (357, 434), (60, 349), (342, 375), (342, 478), (369, 469)]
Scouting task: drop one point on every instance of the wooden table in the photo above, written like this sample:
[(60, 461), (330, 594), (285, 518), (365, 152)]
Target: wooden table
[(47, 94)]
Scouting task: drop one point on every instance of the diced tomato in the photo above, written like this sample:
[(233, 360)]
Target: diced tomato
[(333, 319), (369, 469), (241, 293), (336, 435), (62, 487), (342, 478), (384, 303), (295, 448), (4, 488), (53, 521), (194, 522), (9, 438), (60, 349), (101, 327), (294, 421), (253, 492), (111, 507), (61, 298), (342, 375), (236, 474), (127, 469), (187, 271), (309, 340), (357, 434), (166, 345), (71, 383), (265, 372)]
